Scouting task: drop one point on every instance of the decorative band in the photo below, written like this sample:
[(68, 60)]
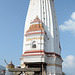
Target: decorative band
[(53, 53), (34, 33), (34, 38), (37, 51), (32, 54), (57, 65), (48, 54)]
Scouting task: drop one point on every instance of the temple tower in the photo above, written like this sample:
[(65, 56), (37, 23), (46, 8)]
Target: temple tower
[(41, 46)]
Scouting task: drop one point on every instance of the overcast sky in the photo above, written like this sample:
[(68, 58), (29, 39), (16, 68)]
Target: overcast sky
[(12, 20)]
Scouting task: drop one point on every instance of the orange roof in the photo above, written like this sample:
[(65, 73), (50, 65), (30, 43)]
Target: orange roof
[(36, 20), (35, 27)]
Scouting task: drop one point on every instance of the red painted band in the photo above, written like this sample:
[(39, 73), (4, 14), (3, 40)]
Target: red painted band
[(38, 51), (32, 54), (34, 33)]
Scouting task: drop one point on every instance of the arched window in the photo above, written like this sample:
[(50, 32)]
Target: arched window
[(33, 44)]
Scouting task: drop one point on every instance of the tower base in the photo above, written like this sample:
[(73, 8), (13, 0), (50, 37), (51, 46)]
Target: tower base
[(54, 64), (51, 65), (42, 67)]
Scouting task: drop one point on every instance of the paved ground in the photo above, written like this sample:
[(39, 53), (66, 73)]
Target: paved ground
[(2, 74)]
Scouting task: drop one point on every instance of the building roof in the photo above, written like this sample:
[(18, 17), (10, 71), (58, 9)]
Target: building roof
[(36, 20), (10, 65), (36, 26)]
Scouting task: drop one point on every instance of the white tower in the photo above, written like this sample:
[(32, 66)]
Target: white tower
[(41, 38)]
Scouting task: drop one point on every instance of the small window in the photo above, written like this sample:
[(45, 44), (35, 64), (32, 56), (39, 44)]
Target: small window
[(33, 44)]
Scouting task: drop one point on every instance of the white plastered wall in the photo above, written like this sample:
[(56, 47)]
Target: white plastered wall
[(28, 44), (45, 10)]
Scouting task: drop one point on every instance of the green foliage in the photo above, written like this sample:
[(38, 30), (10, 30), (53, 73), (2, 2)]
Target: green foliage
[(63, 73)]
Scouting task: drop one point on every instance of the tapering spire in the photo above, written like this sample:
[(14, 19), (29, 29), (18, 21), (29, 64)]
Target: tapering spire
[(41, 37)]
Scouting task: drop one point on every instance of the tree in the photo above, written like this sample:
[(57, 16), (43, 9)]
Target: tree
[(63, 73)]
